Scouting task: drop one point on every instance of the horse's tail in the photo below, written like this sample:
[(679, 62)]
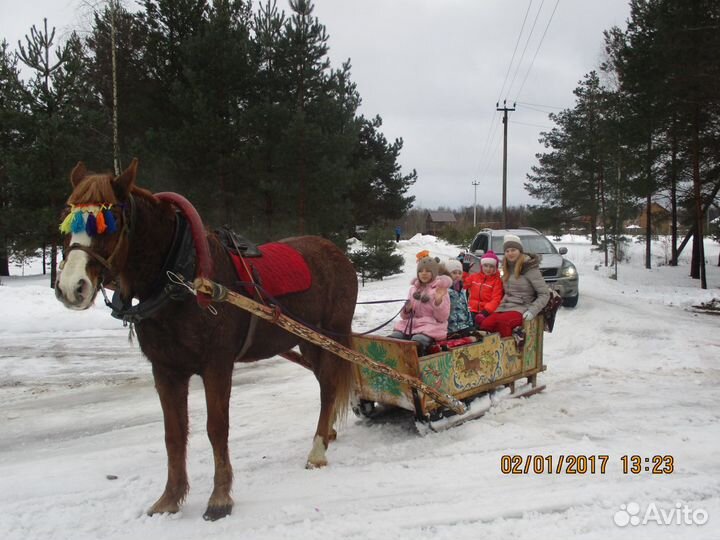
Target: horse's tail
[(345, 385), (344, 301)]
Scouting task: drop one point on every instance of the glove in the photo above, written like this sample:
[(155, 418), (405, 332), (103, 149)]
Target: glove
[(528, 316), (440, 293)]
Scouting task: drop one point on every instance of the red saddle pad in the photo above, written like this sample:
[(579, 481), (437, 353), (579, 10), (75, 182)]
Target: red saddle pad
[(281, 270)]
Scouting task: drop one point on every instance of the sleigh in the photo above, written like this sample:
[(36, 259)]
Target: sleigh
[(479, 374), (441, 389)]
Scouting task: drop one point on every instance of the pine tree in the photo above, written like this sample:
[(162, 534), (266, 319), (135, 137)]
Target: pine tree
[(377, 259), (13, 137), (666, 67), (137, 89), (64, 122), (379, 188)]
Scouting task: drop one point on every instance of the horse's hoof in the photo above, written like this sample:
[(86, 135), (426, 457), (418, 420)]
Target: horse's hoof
[(317, 464), (213, 513), (154, 512), (163, 508)]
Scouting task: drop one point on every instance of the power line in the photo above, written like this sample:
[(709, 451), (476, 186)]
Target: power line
[(538, 48), (533, 125), (492, 157), (486, 144), (534, 109), (515, 50), (527, 42), (485, 149), (539, 105)]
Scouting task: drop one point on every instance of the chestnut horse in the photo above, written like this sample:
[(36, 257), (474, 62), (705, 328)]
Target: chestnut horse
[(181, 338)]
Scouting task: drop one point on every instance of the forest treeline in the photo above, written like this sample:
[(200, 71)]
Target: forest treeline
[(238, 109), (645, 128)]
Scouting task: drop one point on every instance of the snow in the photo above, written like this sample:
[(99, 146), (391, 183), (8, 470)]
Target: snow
[(631, 370)]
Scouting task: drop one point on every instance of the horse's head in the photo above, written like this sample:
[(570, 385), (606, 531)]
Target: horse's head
[(96, 230)]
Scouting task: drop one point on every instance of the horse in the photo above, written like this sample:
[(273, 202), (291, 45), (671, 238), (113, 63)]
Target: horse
[(181, 338)]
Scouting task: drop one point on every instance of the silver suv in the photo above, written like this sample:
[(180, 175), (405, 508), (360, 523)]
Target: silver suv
[(559, 273)]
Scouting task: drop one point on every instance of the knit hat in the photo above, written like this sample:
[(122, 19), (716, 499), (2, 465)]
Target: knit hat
[(422, 254), (490, 257), (429, 263), (452, 265), (512, 241)]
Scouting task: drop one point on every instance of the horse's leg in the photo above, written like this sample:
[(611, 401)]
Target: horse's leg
[(218, 384), (172, 388), (333, 375)]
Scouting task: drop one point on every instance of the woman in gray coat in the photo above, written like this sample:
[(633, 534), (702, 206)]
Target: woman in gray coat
[(526, 292)]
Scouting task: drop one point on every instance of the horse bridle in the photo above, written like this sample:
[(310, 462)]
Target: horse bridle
[(126, 231)]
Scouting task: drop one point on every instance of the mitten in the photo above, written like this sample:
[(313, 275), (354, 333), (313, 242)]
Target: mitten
[(528, 315)]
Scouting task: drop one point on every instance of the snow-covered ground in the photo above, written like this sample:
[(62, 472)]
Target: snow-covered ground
[(631, 371)]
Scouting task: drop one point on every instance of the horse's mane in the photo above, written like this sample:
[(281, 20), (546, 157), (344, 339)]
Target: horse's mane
[(97, 189)]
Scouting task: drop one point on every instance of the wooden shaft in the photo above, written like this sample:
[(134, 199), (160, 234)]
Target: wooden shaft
[(219, 293)]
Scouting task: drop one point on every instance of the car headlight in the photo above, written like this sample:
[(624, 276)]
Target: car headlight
[(568, 269)]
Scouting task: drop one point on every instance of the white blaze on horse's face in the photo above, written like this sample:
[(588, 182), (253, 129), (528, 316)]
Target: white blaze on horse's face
[(74, 287)]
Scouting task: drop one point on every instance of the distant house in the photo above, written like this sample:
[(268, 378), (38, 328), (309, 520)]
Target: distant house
[(437, 221), (661, 220), (579, 225)]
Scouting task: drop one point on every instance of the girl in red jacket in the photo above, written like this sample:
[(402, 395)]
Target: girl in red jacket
[(485, 288)]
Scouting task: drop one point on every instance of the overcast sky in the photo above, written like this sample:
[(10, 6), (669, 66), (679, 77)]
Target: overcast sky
[(434, 70)]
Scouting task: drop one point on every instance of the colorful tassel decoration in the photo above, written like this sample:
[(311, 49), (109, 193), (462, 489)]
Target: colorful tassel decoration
[(91, 225), (100, 222), (110, 222), (78, 223), (66, 225)]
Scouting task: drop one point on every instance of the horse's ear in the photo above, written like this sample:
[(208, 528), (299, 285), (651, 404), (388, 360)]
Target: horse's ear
[(78, 173), (124, 183)]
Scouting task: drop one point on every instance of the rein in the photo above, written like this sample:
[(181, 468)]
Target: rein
[(279, 307), (202, 262)]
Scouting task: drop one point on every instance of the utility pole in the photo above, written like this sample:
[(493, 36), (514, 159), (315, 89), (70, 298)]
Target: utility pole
[(505, 110), (476, 184)]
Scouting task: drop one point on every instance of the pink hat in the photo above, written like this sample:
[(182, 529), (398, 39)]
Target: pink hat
[(489, 258)]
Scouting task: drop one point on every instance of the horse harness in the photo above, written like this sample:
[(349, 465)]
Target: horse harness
[(128, 227), (180, 263)]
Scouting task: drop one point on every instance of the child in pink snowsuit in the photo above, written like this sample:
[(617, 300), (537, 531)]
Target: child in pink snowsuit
[(425, 315)]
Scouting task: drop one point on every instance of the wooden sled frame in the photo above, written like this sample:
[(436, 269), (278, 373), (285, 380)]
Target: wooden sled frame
[(466, 372)]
